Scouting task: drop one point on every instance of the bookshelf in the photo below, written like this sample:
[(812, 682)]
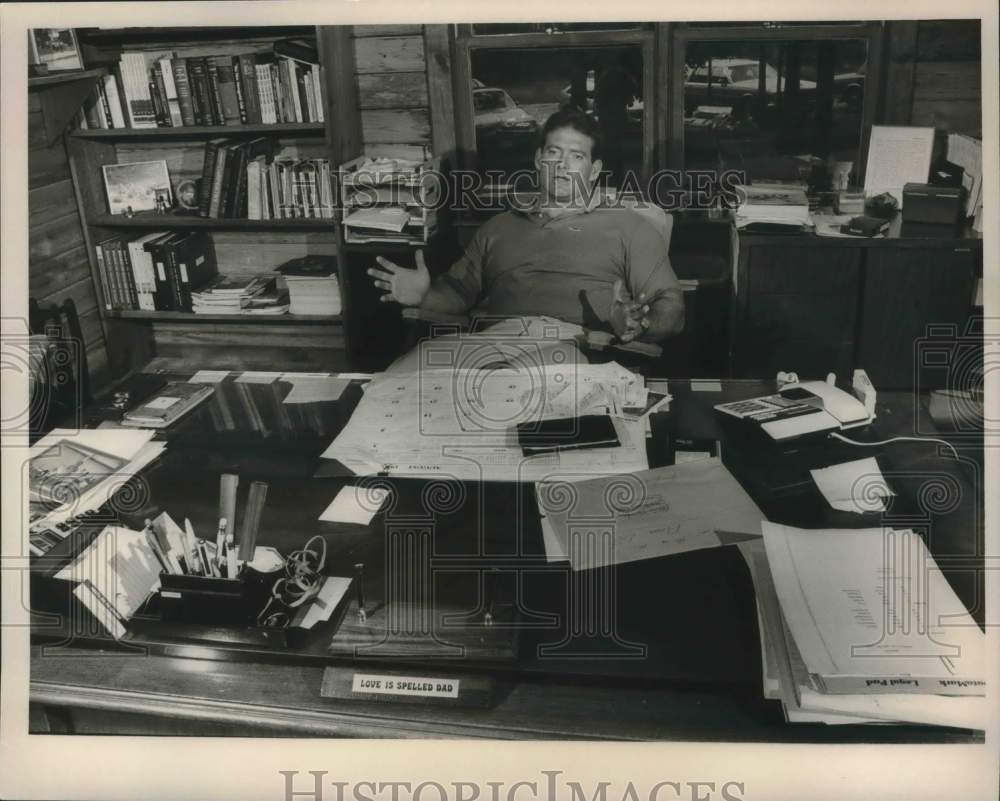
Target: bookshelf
[(242, 246), (60, 94), (202, 131), (153, 221)]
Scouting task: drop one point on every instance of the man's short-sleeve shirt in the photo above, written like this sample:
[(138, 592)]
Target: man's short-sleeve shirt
[(522, 263)]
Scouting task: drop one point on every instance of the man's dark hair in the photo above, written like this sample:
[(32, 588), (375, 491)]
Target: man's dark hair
[(574, 118)]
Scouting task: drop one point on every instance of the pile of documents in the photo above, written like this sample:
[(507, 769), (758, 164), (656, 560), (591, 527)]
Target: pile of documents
[(389, 199), (967, 153), (860, 626), (114, 575), (772, 204), (312, 284), (314, 294), (73, 472), (645, 515), (460, 422), (232, 294)]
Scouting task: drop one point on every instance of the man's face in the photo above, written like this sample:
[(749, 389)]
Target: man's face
[(566, 169)]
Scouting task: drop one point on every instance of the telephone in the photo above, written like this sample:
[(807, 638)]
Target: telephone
[(808, 407)]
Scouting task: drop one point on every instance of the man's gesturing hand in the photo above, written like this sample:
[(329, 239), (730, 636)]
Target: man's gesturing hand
[(628, 317), (403, 285)]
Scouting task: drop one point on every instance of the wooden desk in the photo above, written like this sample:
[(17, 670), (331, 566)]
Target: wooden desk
[(697, 676), (804, 300)]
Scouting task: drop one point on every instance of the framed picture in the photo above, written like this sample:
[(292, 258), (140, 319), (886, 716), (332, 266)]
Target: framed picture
[(140, 186), (56, 48)]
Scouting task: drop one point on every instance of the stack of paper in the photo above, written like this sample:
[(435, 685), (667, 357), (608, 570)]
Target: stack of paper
[(461, 423), (773, 204), (311, 294), (379, 218), (859, 625), (114, 575), (645, 515), (967, 153), (227, 294)]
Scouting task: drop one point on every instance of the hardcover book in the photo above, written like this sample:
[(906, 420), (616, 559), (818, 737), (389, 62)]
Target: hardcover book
[(173, 402), (183, 86)]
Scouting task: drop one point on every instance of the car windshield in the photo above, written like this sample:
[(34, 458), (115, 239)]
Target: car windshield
[(490, 101), (744, 72)]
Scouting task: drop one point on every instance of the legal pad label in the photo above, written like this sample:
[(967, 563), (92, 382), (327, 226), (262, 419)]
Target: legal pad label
[(421, 686)]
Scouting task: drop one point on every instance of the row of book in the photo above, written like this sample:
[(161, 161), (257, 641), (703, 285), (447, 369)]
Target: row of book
[(157, 271), (148, 90), (259, 402), (242, 179), (163, 271)]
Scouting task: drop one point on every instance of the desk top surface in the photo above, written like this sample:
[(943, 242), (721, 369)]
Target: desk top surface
[(676, 649)]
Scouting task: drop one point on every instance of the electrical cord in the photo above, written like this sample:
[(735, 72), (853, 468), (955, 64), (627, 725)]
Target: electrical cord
[(301, 583), (947, 444)]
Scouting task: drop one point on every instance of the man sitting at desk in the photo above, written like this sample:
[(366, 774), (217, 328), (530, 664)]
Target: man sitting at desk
[(566, 256)]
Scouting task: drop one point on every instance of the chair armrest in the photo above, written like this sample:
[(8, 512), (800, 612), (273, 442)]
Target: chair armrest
[(440, 318), (602, 340)]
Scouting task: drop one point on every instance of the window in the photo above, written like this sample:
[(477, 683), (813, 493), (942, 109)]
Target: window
[(553, 28), (767, 98), (516, 76), (773, 99)]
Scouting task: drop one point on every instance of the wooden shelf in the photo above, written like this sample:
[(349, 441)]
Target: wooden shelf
[(254, 340), (286, 129), (152, 221), (61, 96), (189, 317), (58, 78), (133, 35)]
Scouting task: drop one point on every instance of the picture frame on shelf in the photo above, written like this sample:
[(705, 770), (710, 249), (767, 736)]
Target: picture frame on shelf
[(55, 48), (137, 186)]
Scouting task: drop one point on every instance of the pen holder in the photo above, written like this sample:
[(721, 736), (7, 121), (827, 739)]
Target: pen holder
[(206, 600)]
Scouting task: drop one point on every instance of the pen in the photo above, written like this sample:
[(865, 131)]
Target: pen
[(193, 557), (159, 530), (230, 557), (490, 592), (220, 543), (359, 585), (208, 566), (154, 545)]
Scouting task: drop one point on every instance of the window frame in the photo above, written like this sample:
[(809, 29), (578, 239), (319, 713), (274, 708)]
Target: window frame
[(465, 41), (681, 34)]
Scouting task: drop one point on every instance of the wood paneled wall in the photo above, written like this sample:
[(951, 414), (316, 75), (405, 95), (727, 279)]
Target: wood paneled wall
[(947, 84), (391, 70), (934, 75), (58, 267)]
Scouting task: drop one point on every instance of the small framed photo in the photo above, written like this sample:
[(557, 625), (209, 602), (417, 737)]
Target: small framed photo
[(56, 48), (139, 186)]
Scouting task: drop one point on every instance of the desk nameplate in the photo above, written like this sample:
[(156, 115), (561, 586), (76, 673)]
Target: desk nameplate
[(413, 687)]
